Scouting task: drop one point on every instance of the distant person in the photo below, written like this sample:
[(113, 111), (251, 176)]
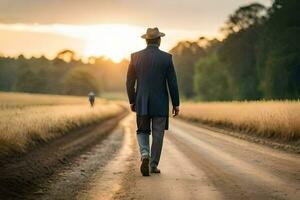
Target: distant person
[(92, 98), (152, 71)]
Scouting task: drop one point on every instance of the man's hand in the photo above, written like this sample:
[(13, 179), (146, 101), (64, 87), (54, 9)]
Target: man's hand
[(132, 107), (175, 111)]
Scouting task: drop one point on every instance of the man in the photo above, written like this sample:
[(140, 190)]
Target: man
[(151, 71), (92, 98)]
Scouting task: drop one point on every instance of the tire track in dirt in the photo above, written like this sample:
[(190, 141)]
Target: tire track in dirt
[(22, 174), (95, 174)]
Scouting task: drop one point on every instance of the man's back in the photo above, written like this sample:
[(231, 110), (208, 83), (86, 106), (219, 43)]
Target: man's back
[(152, 69)]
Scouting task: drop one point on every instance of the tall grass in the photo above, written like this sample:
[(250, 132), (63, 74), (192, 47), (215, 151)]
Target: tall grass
[(19, 100), (25, 117), (271, 119)]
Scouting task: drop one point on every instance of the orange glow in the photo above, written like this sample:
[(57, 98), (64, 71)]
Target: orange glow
[(114, 41)]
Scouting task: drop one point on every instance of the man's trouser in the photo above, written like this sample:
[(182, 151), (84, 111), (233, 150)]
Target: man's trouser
[(144, 126)]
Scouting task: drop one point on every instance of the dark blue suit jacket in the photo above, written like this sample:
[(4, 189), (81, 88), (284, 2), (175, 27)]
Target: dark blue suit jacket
[(149, 74)]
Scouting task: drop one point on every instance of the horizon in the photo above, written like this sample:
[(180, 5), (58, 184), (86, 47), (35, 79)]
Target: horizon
[(25, 30)]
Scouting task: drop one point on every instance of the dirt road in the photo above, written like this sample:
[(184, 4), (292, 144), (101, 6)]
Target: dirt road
[(196, 163), (201, 164)]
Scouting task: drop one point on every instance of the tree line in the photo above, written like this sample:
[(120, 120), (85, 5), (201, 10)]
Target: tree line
[(259, 58), (65, 74)]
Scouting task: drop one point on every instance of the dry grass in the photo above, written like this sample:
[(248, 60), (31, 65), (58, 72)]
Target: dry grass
[(25, 117), (271, 119), (20, 100)]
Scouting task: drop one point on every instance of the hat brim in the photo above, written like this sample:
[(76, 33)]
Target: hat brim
[(145, 36)]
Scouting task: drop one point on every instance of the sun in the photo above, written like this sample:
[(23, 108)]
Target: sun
[(99, 47), (115, 42)]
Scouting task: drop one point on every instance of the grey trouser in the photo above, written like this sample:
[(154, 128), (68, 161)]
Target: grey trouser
[(144, 129)]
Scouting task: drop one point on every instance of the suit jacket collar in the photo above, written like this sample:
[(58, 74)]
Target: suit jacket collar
[(152, 46)]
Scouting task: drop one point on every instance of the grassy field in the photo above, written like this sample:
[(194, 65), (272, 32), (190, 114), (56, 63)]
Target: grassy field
[(27, 117), (271, 119)]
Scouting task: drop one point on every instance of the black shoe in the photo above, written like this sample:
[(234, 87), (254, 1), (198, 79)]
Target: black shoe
[(155, 170), (145, 166)]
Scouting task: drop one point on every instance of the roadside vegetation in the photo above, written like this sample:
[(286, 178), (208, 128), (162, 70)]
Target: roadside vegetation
[(269, 119), (258, 58), (25, 118)]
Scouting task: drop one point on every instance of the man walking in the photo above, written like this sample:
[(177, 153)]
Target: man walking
[(150, 73), (92, 96)]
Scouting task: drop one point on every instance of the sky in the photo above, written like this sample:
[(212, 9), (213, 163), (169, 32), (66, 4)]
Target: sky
[(106, 27)]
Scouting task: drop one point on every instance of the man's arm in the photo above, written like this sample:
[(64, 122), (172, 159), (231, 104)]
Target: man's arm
[(173, 87), (130, 84)]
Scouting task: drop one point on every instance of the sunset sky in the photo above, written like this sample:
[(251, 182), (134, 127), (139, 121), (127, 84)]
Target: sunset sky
[(106, 27)]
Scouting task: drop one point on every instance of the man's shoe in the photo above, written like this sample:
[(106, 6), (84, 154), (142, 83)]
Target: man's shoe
[(155, 170), (145, 166)]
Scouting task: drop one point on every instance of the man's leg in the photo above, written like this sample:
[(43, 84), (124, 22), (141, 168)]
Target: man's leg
[(143, 132), (143, 140), (158, 128)]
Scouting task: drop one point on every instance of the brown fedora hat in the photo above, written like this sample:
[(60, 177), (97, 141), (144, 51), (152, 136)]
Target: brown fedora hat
[(153, 33)]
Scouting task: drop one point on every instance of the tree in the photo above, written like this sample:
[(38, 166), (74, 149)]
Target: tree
[(80, 82), (30, 81), (210, 81), (8, 73), (245, 17), (185, 55), (238, 55), (238, 51), (66, 55), (279, 55)]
